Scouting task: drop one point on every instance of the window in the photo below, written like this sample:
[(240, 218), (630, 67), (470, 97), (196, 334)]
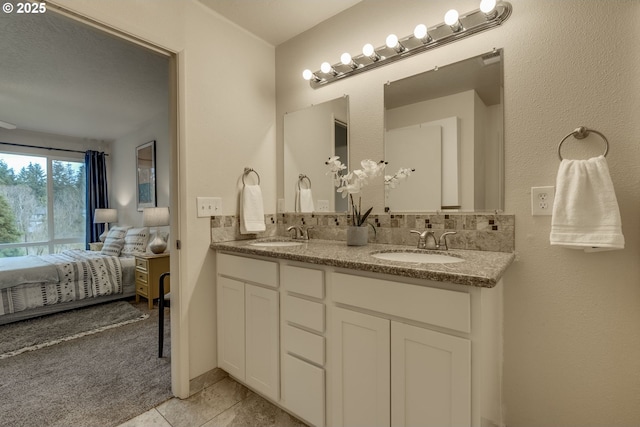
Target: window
[(42, 204)]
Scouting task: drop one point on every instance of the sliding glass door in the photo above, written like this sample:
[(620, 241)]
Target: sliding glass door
[(42, 204)]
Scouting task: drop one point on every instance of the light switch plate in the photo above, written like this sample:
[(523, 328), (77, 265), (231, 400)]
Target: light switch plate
[(208, 206)]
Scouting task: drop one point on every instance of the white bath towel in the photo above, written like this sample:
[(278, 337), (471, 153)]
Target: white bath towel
[(305, 200), (251, 210), (585, 211)]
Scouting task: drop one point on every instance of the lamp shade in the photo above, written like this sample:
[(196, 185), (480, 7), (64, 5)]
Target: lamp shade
[(101, 216), (155, 217)]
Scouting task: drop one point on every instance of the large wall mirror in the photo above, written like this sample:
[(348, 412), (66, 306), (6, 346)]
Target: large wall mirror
[(447, 123), (311, 136), (146, 175)]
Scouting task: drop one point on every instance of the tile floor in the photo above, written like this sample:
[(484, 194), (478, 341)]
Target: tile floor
[(220, 402)]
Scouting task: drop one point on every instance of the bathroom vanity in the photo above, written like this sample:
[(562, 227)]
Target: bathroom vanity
[(339, 337)]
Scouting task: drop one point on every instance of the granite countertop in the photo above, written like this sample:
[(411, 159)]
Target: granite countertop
[(479, 268)]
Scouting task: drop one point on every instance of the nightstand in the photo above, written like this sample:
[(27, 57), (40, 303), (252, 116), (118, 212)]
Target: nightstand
[(96, 246), (149, 267)]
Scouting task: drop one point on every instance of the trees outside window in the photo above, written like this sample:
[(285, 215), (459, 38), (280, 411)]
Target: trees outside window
[(42, 204)]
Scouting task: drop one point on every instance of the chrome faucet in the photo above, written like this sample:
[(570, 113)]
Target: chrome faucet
[(423, 239), (300, 232)]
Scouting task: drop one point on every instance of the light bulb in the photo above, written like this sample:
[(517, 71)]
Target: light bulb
[(325, 67), (345, 58), (420, 32), (392, 41), (486, 6), (368, 49), (451, 17), (307, 74)]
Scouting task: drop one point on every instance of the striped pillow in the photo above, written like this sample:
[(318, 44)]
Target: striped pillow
[(117, 232), (112, 246), (135, 241)]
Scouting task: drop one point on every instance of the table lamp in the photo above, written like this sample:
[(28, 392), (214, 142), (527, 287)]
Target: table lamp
[(156, 217), (105, 216)]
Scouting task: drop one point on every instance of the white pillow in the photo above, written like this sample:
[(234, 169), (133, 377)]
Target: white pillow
[(135, 241), (112, 246), (117, 232)]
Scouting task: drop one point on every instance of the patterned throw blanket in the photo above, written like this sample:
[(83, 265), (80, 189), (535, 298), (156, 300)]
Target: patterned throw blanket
[(82, 274)]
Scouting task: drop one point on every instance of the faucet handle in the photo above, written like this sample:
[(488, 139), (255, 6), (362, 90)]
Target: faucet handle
[(422, 238), (305, 232), (443, 239)]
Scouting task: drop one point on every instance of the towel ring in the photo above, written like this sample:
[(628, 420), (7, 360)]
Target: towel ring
[(581, 133), (247, 171), (301, 178)]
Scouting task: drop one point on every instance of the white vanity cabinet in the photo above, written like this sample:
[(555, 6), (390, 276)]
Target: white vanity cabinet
[(303, 345), (402, 355), (343, 347), (248, 322)]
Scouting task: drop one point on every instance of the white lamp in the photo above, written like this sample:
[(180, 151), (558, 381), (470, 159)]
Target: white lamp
[(156, 217), (105, 216)]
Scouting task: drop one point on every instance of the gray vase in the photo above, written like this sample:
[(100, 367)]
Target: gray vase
[(357, 236)]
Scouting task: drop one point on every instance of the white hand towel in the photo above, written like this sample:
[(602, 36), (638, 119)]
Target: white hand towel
[(585, 211), (305, 200), (251, 210)]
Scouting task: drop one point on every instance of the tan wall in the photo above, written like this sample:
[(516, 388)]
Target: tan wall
[(572, 320)]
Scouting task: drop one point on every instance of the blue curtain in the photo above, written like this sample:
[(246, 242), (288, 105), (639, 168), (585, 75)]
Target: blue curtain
[(97, 192)]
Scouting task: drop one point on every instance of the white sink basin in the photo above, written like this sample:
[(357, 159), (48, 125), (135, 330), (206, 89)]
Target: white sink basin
[(275, 244), (417, 257)]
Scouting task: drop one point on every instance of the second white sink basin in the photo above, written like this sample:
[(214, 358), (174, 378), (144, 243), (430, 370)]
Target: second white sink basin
[(276, 244), (417, 257)]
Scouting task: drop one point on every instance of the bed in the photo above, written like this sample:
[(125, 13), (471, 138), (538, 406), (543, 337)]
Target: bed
[(32, 286)]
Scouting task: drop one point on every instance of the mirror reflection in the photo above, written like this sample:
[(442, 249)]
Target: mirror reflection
[(447, 124), (311, 136)]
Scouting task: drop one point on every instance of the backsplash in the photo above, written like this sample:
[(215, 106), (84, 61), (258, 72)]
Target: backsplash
[(483, 232)]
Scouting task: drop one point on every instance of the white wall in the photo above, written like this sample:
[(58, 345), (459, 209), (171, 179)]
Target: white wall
[(122, 185), (572, 320), (227, 121)]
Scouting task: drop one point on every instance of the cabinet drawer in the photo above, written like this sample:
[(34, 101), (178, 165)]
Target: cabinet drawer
[(142, 289), (304, 390), (248, 269), (440, 307), (142, 276), (303, 281), (304, 344), (304, 313), (142, 264)]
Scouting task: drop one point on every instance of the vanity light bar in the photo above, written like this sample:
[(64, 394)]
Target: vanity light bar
[(490, 15)]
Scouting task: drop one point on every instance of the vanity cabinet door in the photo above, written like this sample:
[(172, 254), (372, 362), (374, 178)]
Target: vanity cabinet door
[(231, 342), (361, 369), (430, 378), (263, 340)]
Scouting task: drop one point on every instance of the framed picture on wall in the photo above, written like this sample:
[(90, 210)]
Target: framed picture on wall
[(146, 175)]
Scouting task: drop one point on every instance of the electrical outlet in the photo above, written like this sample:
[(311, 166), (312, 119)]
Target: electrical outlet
[(209, 206), (542, 200), (280, 207), (323, 206)]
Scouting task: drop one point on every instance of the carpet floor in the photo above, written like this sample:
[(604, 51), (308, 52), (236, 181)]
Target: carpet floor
[(32, 334), (101, 379)]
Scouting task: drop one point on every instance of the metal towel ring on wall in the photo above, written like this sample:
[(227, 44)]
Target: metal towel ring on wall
[(301, 178), (581, 133), (247, 171)]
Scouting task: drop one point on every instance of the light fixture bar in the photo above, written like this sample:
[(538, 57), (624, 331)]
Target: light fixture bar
[(469, 24)]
